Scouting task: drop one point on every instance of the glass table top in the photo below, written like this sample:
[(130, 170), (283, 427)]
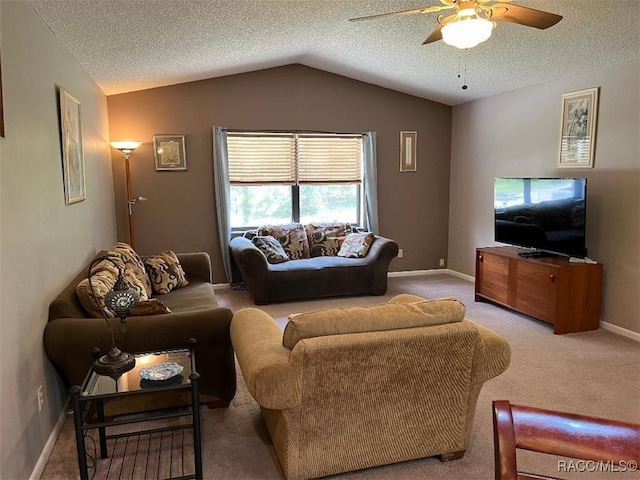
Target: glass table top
[(131, 381)]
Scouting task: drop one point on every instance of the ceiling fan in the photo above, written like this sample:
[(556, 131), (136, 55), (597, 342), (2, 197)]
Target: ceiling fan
[(474, 20)]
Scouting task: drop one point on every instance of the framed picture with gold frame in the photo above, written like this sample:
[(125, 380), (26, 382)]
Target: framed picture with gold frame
[(169, 152), (408, 147), (72, 151), (578, 134)]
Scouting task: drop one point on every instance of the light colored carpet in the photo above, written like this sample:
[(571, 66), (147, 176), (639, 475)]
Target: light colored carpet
[(592, 373)]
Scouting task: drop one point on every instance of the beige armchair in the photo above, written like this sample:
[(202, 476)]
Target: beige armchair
[(346, 389)]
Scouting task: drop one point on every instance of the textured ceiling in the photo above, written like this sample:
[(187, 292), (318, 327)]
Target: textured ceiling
[(128, 45)]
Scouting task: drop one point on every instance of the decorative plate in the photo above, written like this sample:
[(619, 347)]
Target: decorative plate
[(162, 371)]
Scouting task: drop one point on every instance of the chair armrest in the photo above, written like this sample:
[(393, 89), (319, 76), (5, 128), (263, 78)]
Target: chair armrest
[(495, 355), (196, 266), (272, 375)]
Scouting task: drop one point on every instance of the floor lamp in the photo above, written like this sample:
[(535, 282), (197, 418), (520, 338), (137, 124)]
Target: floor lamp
[(127, 148)]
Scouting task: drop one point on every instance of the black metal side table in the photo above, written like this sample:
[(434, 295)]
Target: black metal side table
[(90, 398)]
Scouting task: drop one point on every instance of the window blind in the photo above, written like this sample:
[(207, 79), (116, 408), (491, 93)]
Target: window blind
[(261, 158), (292, 158), (329, 159)]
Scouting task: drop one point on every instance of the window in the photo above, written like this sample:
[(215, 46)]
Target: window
[(294, 177)]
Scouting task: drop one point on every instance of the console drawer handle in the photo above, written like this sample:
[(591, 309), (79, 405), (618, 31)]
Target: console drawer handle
[(553, 278), (480, 257)]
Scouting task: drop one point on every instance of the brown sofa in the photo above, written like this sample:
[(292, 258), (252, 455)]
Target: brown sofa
[(352, 388), (320, 276), (71, 332)]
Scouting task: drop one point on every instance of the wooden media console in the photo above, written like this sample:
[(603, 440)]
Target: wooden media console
[(552, 289)]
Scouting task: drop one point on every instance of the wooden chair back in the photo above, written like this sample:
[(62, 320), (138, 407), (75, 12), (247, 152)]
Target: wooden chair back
[(565, 434)]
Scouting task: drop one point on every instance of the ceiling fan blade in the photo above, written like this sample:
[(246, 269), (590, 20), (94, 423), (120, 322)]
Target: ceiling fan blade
[(437, 33), (524, 16), (437, 8)]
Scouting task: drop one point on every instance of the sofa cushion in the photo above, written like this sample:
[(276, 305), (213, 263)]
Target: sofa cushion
[(165, 272), (388, 316), (271, 248), (356, 245), (291, 236), (325, 238)]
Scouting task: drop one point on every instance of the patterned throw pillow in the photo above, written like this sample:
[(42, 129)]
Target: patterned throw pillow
[(165, 272), (325, 239), (134, 270), (271, 249), (153, 306), (103, 277), (356, 245), (291, 236)]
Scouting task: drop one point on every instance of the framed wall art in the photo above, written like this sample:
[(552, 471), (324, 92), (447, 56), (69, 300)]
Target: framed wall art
[(169, 152), (408, 146), (578, 134), (72, 151)]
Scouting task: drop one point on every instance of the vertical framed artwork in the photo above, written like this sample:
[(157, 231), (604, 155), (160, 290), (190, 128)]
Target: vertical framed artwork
[(578, 134), (72, 151), (169, 152), (408, 146)]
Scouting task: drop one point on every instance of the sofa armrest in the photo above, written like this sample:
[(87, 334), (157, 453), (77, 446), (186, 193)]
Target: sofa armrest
[(253, 267), (383, 246), (68, 343), (382, 251), (247, 254), (196, 266), (272, 375)]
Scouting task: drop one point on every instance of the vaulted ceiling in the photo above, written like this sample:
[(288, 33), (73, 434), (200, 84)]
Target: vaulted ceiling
[(128, 45)]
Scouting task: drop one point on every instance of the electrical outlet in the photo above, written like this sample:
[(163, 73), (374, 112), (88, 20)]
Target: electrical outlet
[(400, 253), (441, 262), (40, 397)]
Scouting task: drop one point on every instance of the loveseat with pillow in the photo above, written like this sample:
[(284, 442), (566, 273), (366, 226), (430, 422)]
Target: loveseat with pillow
[(293, 261), (177, 302)]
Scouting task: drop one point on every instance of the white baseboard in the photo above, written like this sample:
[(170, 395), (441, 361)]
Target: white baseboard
[(620, 331), (48, 447), (435, 271)]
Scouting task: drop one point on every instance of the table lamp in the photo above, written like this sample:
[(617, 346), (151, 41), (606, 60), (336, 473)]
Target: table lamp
[(120, 300)]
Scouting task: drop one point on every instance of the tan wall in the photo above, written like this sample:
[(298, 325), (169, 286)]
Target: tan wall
[(517, 134), (44, 243), (180, 213)]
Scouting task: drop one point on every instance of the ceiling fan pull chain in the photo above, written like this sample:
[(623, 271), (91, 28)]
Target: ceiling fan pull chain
[(462, 68)]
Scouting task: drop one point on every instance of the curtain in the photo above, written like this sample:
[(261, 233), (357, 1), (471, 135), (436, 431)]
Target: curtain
[(370, 182), (223, 203)]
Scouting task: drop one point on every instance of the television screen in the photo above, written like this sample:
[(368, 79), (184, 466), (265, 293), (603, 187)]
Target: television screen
[(543, 214)]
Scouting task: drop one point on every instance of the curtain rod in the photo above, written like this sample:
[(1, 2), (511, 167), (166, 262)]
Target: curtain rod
[(238, 130)]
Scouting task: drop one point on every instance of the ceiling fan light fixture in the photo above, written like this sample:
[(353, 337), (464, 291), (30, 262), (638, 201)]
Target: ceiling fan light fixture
[(467, 31)]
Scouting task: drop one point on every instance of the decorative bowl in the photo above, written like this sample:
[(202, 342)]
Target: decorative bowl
[(162, 371)]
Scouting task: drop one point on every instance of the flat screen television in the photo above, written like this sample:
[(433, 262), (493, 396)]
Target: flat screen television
[(544, 215)]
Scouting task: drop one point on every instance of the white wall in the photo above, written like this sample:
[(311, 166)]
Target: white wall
[(517, 134), (44, 243)]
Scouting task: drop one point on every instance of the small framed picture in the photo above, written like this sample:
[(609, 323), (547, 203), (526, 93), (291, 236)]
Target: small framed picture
[(408, 146), (169, 152), (72, 152), (578, 134)]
